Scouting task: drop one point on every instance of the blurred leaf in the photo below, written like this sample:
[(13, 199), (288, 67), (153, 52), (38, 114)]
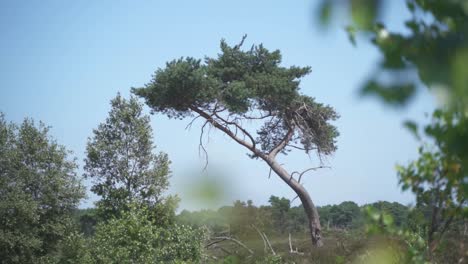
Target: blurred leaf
[(351, 34), (364, 12), (325, 10), (387, 219), (208, 191), (460, 74), (395, 94), (412, 127)]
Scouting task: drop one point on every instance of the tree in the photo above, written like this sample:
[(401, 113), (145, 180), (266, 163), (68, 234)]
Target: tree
[(279, 212), (345, 214), (239, 87), (39, 189), (121, 161)]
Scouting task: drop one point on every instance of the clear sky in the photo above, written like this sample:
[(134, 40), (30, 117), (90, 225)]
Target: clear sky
[(62, 62)]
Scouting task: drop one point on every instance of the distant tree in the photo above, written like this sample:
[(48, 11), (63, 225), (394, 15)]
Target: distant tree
[(398, 211), (249, 87), (344, 214), (39, 189), (120, 160), (86, 219), (297, 220), (279, 211)]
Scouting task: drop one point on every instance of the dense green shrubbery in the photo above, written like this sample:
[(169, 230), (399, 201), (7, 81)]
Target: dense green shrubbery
[(133, 238)]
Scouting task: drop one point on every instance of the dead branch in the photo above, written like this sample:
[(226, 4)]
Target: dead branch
[(269, 244), (291, 250), (294, 199), (223, 238), (238, 127), (189, 125), (201, 147), (307, 170), (263, 238), (223, 249), (227, 131)]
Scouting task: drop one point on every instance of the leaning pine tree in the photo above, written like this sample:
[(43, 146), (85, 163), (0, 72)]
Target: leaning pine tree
[(240, 86)]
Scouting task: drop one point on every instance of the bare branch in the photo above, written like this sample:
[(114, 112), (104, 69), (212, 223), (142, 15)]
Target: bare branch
[(291, 250), (189, 125), (200, 145), (307, 170), (269, 244), (227, 131), (265, 240), (246, 133), (296, 147), (294, 199), (261, 235), (223, 238)]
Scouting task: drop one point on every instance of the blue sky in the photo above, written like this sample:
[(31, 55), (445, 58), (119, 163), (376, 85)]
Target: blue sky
[(62, 62)]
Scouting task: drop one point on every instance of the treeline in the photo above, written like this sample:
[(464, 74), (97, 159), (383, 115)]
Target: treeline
[(279, 217)]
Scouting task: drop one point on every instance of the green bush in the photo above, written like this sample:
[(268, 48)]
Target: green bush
[(135, 239)]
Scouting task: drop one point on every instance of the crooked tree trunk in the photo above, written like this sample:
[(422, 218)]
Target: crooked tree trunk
[(309, 207)]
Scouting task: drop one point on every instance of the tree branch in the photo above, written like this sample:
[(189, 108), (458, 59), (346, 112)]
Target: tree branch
[(281, 144), (200, 145), (223, 238), (307, 170), (227, 131), (237, 127)]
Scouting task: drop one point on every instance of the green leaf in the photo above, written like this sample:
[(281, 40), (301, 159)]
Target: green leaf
[(325, 11), (351, 34), (412, 127)]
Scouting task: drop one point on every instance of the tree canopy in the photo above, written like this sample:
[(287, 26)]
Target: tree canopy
[(39, 189), (245, 85)]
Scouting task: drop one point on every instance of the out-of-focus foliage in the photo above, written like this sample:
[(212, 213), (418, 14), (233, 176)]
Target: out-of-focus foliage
[(121, 162), (438, 177), (438, 180), (435, 46), (133, 238), (39, 190)]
